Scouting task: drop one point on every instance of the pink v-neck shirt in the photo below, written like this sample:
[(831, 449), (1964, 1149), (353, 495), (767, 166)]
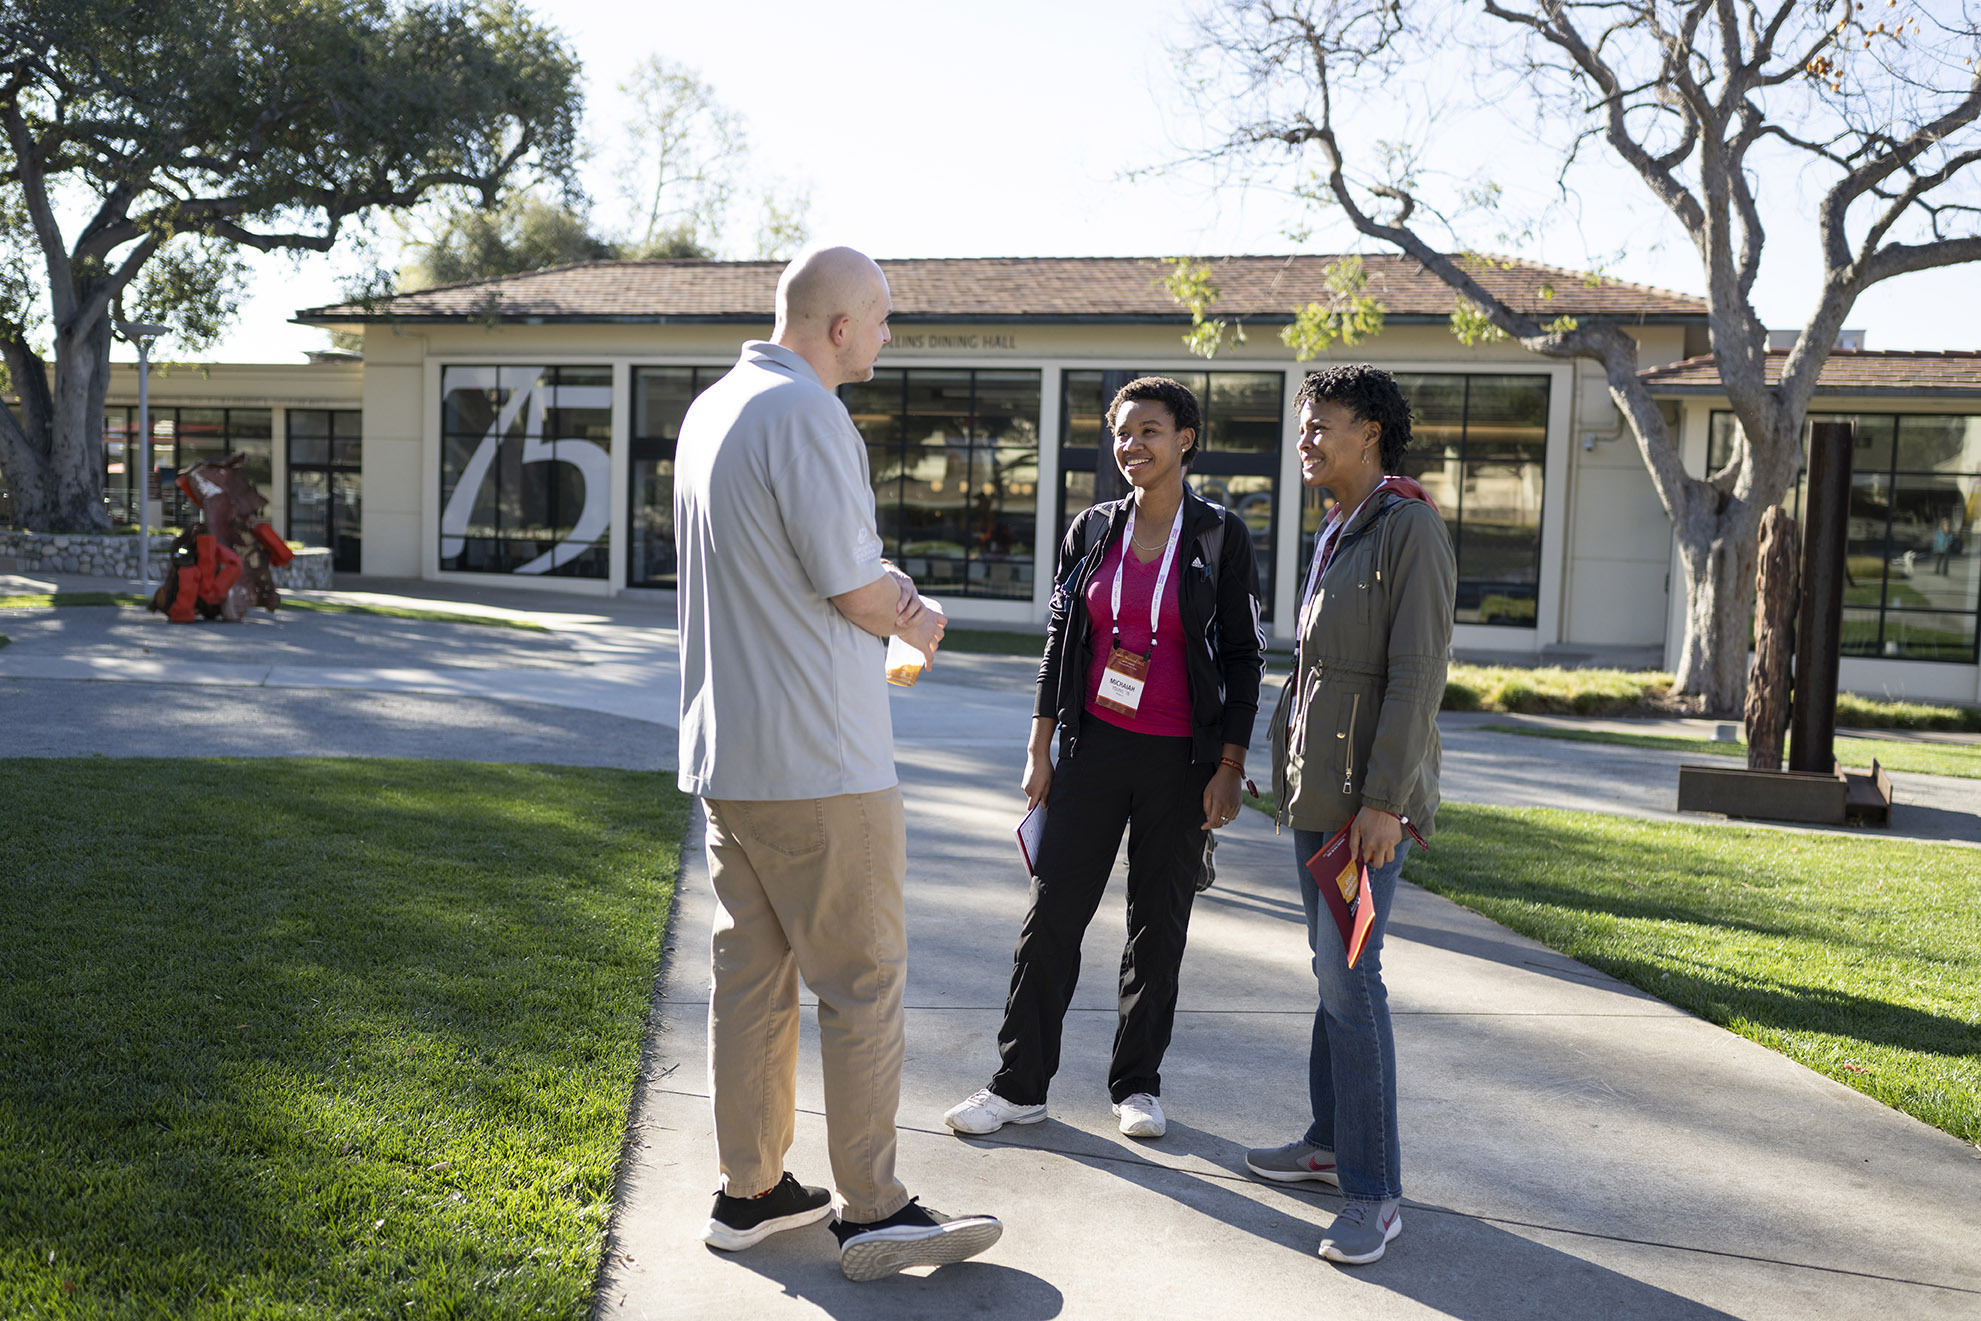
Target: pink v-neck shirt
[(1165, 707)]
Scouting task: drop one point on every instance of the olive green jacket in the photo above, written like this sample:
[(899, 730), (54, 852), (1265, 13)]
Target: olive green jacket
[(1356, 724)]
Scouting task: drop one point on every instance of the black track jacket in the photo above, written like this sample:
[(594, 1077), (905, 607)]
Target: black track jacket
[(1218, 595)]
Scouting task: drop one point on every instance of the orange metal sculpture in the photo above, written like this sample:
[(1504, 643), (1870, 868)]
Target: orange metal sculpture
[(221, 565)]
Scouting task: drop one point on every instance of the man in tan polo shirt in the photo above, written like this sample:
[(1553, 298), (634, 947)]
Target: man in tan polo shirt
[(785, 604)]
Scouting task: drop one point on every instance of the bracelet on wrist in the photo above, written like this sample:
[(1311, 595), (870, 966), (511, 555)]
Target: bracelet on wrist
[(1238, 766)]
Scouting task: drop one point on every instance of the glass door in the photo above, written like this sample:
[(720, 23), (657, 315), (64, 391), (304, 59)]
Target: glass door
[(326, 483)]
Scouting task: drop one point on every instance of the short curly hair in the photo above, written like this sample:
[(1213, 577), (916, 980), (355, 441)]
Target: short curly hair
[(1370, 394), (1173, 395)]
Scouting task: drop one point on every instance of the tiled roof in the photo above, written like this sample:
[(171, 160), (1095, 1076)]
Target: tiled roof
[(1005, 288), (1848, 371)]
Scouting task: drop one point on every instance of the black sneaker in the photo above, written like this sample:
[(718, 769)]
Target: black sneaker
[(740, 1222), (912, 1236)]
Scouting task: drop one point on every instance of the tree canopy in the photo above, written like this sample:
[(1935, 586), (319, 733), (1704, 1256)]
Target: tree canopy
[(142, 145), (1711, 104), (685, 177)]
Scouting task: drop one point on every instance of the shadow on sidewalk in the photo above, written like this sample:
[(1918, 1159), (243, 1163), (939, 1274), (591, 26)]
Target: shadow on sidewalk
[(1455, 1264), (806, 1266)]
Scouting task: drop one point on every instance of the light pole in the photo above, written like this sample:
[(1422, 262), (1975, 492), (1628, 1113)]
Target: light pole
[(141, 334)]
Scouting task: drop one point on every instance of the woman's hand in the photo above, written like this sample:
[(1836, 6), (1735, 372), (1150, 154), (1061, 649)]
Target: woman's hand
[(1221, 797), (1038, 762), (1038, 777), (1373, 836)]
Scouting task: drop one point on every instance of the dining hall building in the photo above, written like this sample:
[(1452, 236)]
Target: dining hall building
[(521, 430)]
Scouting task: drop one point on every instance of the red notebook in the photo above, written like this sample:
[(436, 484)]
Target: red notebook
[(1344, 883)]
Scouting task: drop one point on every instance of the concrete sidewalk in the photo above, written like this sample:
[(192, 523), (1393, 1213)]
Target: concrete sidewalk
[(1572, 1146)]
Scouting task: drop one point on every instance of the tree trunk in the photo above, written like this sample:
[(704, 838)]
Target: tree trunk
[(1716, 553), (60, 487), (1774, 642)]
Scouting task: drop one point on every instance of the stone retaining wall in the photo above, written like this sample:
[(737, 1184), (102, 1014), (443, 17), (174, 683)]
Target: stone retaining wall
[(117, 557)]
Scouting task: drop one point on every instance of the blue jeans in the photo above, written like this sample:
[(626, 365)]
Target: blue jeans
[(1351, 1072)]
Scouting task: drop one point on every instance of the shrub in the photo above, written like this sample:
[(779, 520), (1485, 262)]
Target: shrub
[(1552, 690)]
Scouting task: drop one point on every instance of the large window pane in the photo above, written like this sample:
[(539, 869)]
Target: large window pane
[(1949, 444), (347, 520), (347, 438), (954, 459), (309, 436), (651, 552), (249, 435), (1860, 636), (1911, 574), (1478, 445), (1872, 433), (1240, 445), (1081, 412), (120, 464), (1250, 496), (1242, 412), (1720, 430), (526, 470), (1437, 414), (936, 484), (875, 407), (1506, 417), (249, 424), (1499, 543), (257, 460), (1930, 536), (1925, 635), (661, 396), (309, 507)]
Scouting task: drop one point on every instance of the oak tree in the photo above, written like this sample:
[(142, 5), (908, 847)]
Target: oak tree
[(143, 145), (1712, 105)]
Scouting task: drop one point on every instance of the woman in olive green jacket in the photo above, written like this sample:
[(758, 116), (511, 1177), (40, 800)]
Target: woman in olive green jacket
[(1355, 744)]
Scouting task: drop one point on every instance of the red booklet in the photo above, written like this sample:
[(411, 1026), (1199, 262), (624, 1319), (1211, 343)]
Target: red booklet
[(1344, 884)]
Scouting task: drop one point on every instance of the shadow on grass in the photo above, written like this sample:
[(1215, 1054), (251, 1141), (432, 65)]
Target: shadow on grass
[(319, 1036), (1767, 932)]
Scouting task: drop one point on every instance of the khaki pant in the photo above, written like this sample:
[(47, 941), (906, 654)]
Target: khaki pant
[(808, 887)]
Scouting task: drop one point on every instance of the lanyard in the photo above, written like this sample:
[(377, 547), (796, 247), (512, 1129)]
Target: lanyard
[(1162, 574), (1324, 548), (1324, 545)]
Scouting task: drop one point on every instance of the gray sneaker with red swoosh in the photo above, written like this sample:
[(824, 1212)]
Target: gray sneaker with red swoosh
[(1296, 1162), (1361, 1233)]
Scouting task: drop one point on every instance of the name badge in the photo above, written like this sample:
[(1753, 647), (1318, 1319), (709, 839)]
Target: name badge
[(1122, 682)]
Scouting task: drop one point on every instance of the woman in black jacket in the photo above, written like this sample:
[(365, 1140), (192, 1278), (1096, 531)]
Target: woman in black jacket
[(1151, 679)]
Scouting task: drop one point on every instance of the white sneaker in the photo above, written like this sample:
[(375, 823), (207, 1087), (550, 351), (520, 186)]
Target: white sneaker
[(1141, 1116), (986, 1112)]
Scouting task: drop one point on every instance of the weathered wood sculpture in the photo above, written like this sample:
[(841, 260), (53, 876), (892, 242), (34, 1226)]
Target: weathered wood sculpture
[(1774, 642)]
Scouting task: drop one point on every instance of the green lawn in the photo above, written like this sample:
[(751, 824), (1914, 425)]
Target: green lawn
[(410, 612), (1856, 957), (993, 642), (316, 1038), (48, 600), (1957, 759)]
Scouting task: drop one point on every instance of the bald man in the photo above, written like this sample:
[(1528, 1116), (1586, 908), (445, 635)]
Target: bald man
[(785, 605)]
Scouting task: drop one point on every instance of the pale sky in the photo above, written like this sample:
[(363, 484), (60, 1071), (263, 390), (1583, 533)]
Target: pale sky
[(943, 129)]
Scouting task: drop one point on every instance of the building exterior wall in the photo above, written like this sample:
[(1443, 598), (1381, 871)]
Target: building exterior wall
[(402, 540), (1609, 580), (278, 387), (1877, 677), (395, 407), (1618, 544)]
